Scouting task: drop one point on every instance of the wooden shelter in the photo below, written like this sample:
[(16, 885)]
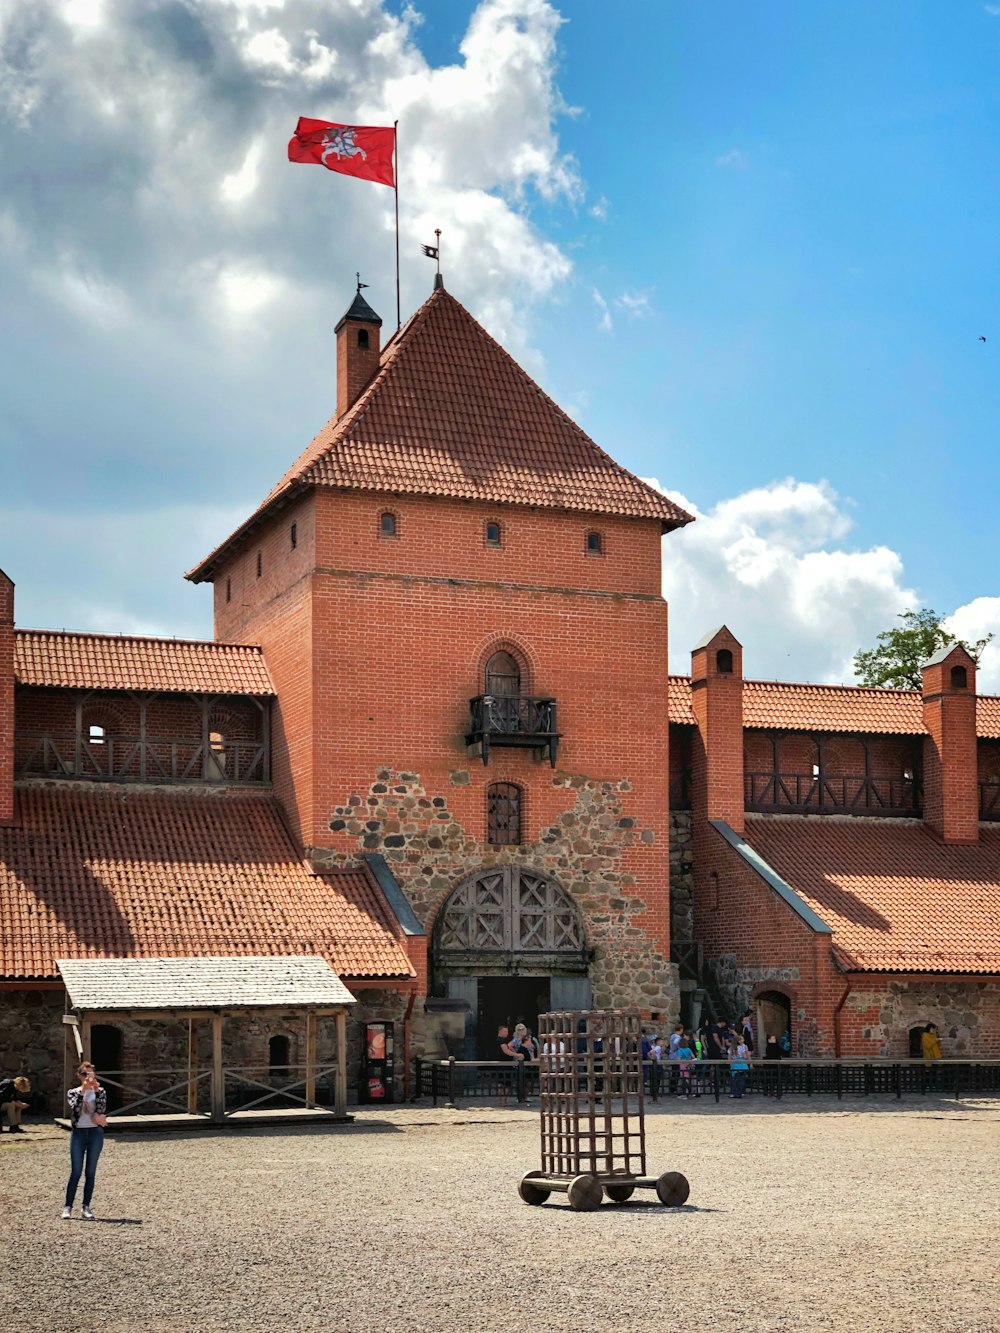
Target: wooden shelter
[(216, 991)]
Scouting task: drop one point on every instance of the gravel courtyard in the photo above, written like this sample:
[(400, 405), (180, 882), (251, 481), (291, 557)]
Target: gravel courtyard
[(801, 1216)]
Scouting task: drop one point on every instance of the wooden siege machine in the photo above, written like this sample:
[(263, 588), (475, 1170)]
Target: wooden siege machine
[(592, 1113)]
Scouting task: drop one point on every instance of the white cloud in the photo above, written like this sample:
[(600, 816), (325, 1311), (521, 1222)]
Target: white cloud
[(771, 564), (604, 311), (735, 157), (993, 9), (635, 305), (975, 620), (599, 210)]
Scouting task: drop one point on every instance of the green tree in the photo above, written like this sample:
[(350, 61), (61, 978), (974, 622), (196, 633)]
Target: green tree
[(895, 661)]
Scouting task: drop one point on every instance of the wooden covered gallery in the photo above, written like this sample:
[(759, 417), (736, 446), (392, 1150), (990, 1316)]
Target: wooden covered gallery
[(212, 992)]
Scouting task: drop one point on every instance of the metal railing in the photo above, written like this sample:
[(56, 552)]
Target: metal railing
[(516, 1081)]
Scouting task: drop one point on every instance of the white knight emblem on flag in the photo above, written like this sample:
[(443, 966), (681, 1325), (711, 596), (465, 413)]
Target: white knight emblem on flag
[(340, 142)]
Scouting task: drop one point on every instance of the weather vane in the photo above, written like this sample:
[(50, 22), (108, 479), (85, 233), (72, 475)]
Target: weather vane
[(434, 252), (360, 283)]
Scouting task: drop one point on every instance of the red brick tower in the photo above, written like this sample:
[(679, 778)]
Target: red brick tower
[(717, 752), (458, 595), (951, 792)]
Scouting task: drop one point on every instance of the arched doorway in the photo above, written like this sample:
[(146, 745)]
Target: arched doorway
[(774, 1015), (509, 942)]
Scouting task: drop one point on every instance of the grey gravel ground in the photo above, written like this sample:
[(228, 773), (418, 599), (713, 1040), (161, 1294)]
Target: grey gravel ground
[(802, 1216)]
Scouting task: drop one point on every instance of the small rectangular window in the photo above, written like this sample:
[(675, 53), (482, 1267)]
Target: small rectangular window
[(492, 534), (595, 545), (260, 564), (295, 535), (229, 590)]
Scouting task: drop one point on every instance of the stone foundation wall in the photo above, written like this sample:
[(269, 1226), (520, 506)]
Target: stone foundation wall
[(590, 849), (876, 1020), (32, 1037)]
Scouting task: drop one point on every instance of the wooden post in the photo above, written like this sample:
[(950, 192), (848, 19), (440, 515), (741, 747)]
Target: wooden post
[(310, 1059), (192, 1097), (218, 1078), (340, 1096), (86, 1039)]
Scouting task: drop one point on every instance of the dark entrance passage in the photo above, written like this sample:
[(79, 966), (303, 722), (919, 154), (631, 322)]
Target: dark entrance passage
[(774, 1016), (106, 1053), (507, 1000)]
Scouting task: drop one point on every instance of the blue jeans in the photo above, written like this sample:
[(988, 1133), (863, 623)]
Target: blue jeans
[(83, 1144), (739, 1077)]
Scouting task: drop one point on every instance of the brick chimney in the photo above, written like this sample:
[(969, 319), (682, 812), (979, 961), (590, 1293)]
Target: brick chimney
[(357, 352), (717, 702), (951, 775), (6, 700)]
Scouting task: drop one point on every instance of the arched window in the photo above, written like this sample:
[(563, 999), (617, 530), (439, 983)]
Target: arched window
[(387, 524), (362, 337), (492, 534), (724, 662), (279, 1056), (503, 676), (959, 678), (595, 543), (503, 814), (95, 734)]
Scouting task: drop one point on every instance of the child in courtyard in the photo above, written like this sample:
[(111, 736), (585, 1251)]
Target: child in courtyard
[(685, 1055), (739, 1068)]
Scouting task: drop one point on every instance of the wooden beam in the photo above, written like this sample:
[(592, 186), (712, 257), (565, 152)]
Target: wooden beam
[(85, 1037), (192, 1097), (218, 1077), (340, 1095), (310, 1088)]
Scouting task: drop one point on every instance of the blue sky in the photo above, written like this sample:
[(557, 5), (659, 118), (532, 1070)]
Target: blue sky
[(752, 248)]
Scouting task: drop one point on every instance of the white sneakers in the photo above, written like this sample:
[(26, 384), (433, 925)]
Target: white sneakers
[(88, 1215), (67, 1213)]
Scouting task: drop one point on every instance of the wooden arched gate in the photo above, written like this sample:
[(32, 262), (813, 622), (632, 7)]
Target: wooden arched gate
[(510, 943)]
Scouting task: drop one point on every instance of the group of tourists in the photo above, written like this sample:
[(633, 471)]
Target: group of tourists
[(687, 1052)]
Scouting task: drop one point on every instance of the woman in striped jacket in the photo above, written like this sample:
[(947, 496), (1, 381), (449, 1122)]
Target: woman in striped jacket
[(88, 1106)]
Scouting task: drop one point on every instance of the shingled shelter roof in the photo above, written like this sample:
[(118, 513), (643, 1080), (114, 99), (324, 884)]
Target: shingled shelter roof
[(450, 413), (897, 899), (133, 662), (113, 873), (777, 705)]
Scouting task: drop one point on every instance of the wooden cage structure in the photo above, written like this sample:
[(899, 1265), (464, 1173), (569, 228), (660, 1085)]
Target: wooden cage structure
[(592, 1124)]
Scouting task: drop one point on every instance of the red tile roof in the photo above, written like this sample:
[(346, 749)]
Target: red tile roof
[(785, 705), (450, 413), (897, 900), (128, 662), (110, 873)]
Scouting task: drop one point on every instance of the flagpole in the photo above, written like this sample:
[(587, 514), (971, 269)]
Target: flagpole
[(395, 175)]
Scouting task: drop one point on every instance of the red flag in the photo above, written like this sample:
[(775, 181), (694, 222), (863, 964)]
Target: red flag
[(356, 150)]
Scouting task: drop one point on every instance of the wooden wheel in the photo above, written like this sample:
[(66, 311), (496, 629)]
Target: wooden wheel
[(585, 1193), (529, 1191), (619, 1193), (672, 1189)]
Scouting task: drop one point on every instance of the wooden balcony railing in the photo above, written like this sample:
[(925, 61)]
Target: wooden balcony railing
[(137, 759), (513, 720), (804, 793)]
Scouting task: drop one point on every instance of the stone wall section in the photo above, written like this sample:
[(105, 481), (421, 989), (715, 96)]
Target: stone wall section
[(878, 1016), (431, 852)]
